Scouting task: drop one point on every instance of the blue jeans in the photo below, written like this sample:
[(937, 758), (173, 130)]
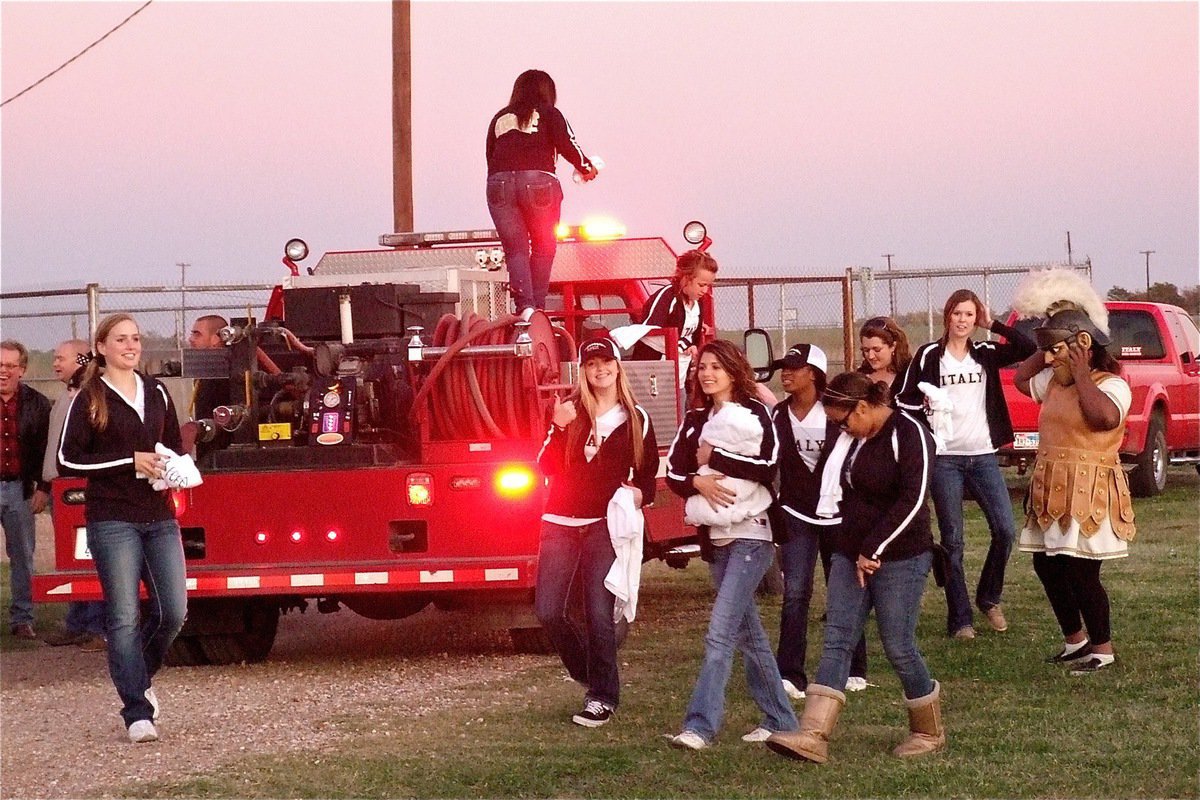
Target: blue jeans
[(126, 554), (737, 569), (894, 591), (982, 474), (798, 557), (572, 564), (20, 536), (525, 207)]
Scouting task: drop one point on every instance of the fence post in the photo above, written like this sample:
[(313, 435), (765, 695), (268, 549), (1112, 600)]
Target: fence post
[(93, 308), (847, 318), (750, 304), (782, 321), (987, 297), (929, 304)]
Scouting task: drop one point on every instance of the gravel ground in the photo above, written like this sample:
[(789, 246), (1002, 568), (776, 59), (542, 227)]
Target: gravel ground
[(62, 736)]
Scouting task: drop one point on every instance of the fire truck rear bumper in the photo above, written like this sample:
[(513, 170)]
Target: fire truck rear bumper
[(314, 581)]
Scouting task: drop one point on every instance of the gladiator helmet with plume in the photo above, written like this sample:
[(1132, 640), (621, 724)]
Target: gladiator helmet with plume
[(1067, 301)]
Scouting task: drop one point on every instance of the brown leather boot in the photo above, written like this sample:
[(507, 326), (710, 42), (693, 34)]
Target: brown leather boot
[(811, 742), (926, 733)]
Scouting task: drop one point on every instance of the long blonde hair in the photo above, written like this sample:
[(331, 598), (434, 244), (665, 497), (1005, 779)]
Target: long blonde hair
[(584, 423), (92, 387)]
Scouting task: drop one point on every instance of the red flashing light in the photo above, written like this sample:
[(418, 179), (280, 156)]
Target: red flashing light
[(514, 482), (179, 502), (261, 537)]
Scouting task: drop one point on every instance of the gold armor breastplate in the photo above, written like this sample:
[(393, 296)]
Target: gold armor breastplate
[(1077, 474)]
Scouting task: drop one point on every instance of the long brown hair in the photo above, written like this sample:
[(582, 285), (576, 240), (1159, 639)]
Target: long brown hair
[(92, 387), (733, 362), (958, 296), (532, 89), (886, 329), (689, 263), (586, 422)]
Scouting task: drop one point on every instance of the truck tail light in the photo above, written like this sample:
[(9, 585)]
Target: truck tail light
[(514, 482), (331, 535), (296, 535), (260, 537), (420, 489)]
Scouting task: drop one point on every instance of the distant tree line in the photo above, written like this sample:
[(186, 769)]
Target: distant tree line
[(1187, 298)]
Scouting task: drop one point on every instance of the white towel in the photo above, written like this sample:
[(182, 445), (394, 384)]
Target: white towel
[(831, 478), (628, 335), (626, 525), (941, 420), (178, 473), (734, 429)]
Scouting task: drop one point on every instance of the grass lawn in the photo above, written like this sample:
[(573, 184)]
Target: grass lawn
[(1017, 727)]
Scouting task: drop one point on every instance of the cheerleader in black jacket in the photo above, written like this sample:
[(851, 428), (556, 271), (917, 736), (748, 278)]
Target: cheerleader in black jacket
[(739, 555), (112, 427), (599, 440)]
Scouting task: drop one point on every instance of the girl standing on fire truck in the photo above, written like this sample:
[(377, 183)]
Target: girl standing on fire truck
[(112, 427), (600, 442), (738, 555), (524, 140)]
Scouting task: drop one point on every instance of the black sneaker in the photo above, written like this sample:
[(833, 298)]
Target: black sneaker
[(594, 714), (1066, 656), (1094, 664)]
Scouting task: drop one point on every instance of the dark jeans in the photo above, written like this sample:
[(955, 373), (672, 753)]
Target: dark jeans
[(798, 556), (1076, 595), (128, 554), (894, 591), (525, 207), (20, 536), (982, 474), (576, 560)]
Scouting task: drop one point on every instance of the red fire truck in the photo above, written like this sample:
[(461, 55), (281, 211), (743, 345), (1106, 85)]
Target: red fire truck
[(389, 464)]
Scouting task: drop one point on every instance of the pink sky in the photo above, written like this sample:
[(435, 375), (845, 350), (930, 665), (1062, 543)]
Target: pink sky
[(808, 136)]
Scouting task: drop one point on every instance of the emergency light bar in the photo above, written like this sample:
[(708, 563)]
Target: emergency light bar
[(434, 238)]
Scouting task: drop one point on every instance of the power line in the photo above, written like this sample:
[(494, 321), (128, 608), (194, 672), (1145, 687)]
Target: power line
[(63, 66)]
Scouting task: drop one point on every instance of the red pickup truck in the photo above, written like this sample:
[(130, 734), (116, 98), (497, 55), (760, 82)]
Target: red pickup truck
[(1158, 346)]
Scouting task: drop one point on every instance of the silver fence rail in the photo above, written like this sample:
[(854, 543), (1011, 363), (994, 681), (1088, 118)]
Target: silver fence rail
[(823, 309)]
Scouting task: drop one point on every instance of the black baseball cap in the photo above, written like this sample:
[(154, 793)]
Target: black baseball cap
[(803, 355), (599, 347)]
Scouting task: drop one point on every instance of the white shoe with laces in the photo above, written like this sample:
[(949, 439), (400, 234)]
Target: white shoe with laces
[(689, 740), (759, 734), (143, 731)]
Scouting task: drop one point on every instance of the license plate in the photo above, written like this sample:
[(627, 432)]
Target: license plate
[(1026, 441), (81, 547)]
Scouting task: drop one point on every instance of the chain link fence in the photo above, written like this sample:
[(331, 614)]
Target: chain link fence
[(826, 310), (829, 310)]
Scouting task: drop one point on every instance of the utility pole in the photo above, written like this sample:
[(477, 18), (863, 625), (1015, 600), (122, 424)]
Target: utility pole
[(402, 172), (1070, 262), (891, 286), (1147, 253)]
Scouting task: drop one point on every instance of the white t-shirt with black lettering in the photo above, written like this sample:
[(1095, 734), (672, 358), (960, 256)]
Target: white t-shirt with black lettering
[(809, 434), (966, 383)]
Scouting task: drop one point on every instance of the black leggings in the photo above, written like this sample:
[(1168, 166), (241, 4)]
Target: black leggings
[(1076, 594)]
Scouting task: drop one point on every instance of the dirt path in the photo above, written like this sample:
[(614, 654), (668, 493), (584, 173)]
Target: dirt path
[(62, 737)]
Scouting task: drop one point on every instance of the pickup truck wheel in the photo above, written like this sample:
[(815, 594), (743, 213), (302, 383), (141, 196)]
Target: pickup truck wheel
[(185, 651), (1149, 477)]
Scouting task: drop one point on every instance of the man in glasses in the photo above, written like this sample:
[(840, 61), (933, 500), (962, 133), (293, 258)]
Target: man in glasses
[(24, 426)]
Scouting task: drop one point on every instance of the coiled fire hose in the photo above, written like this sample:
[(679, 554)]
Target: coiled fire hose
[(466, 397)]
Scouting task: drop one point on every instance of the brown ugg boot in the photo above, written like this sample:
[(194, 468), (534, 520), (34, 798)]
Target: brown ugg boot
[(811, 742), (926, 733)]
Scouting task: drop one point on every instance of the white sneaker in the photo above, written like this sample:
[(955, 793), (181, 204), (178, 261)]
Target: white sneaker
[(689, 740), (855, 684), (143, 731), (790, 689), (759, 734), (153, 698)]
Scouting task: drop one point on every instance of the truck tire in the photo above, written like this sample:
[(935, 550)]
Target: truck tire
[(1149, 477), (185, 651)]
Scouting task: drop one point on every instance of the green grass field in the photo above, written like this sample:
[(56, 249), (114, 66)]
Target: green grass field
[(1017, 727)]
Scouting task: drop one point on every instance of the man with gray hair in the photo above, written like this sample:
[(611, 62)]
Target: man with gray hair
[(84, 623), (24, 421)]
